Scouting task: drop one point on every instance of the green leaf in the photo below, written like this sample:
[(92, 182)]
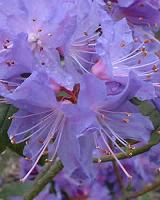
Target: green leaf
[(155, 138), (146, 108), (14, 189), (7, 111)]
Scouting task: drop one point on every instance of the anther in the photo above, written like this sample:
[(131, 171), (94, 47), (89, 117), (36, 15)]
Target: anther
[(11, 117), (48, 161), (85, 33), (99, 160), (27, 158), (128, 114), (155, 68), (39, 30), (122, 44), (13, 141), (144, 51), (50, 34), (147, 41), (126, 120)]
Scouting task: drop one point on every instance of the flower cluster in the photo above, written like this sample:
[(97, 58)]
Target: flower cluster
[(71, 68)]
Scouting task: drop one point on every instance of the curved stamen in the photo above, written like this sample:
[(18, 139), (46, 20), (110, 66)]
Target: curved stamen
[(118, 162), (30, 115), (49, 137), (86, 39), (36, 125), (126, 59), (56, 125), (130, 54), (88, 52), (83, 59), (81, 66), (10, 82), (42, 128), (108, 135), (139, 66)]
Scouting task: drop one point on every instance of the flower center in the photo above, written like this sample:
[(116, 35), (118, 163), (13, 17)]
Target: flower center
[(65, 94)]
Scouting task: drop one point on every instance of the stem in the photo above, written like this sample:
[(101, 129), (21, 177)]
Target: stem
[(148, 188), (44, 179), (133, 153)]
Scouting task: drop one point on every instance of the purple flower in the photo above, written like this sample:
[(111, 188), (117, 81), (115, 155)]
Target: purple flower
[(143, 12), (128, 51), (50, 122), (52, 117)]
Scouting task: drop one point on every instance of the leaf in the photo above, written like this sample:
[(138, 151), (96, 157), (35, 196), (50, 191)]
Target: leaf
[(7, 111), (14, 189)]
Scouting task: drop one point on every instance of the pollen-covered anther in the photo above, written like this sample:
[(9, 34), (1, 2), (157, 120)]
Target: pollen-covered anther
[(99, 160), (147, 41), (85, 33), (128, 114), (144, 51), (130, 154), (40, 30), (50, 34), (122, 44), (155, 68), (10, 117), (10, 62), (48, 160), (125, 120), (97, 147), (27, 158), (13, 141)]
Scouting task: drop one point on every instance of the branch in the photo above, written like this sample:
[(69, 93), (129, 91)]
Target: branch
[(43, 180), (132, 153), (148, 188)]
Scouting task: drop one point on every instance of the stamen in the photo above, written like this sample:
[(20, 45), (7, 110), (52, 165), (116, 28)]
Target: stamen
[(130, 54), (36, 125), (80, 64), (118, 162), (50, 135)]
